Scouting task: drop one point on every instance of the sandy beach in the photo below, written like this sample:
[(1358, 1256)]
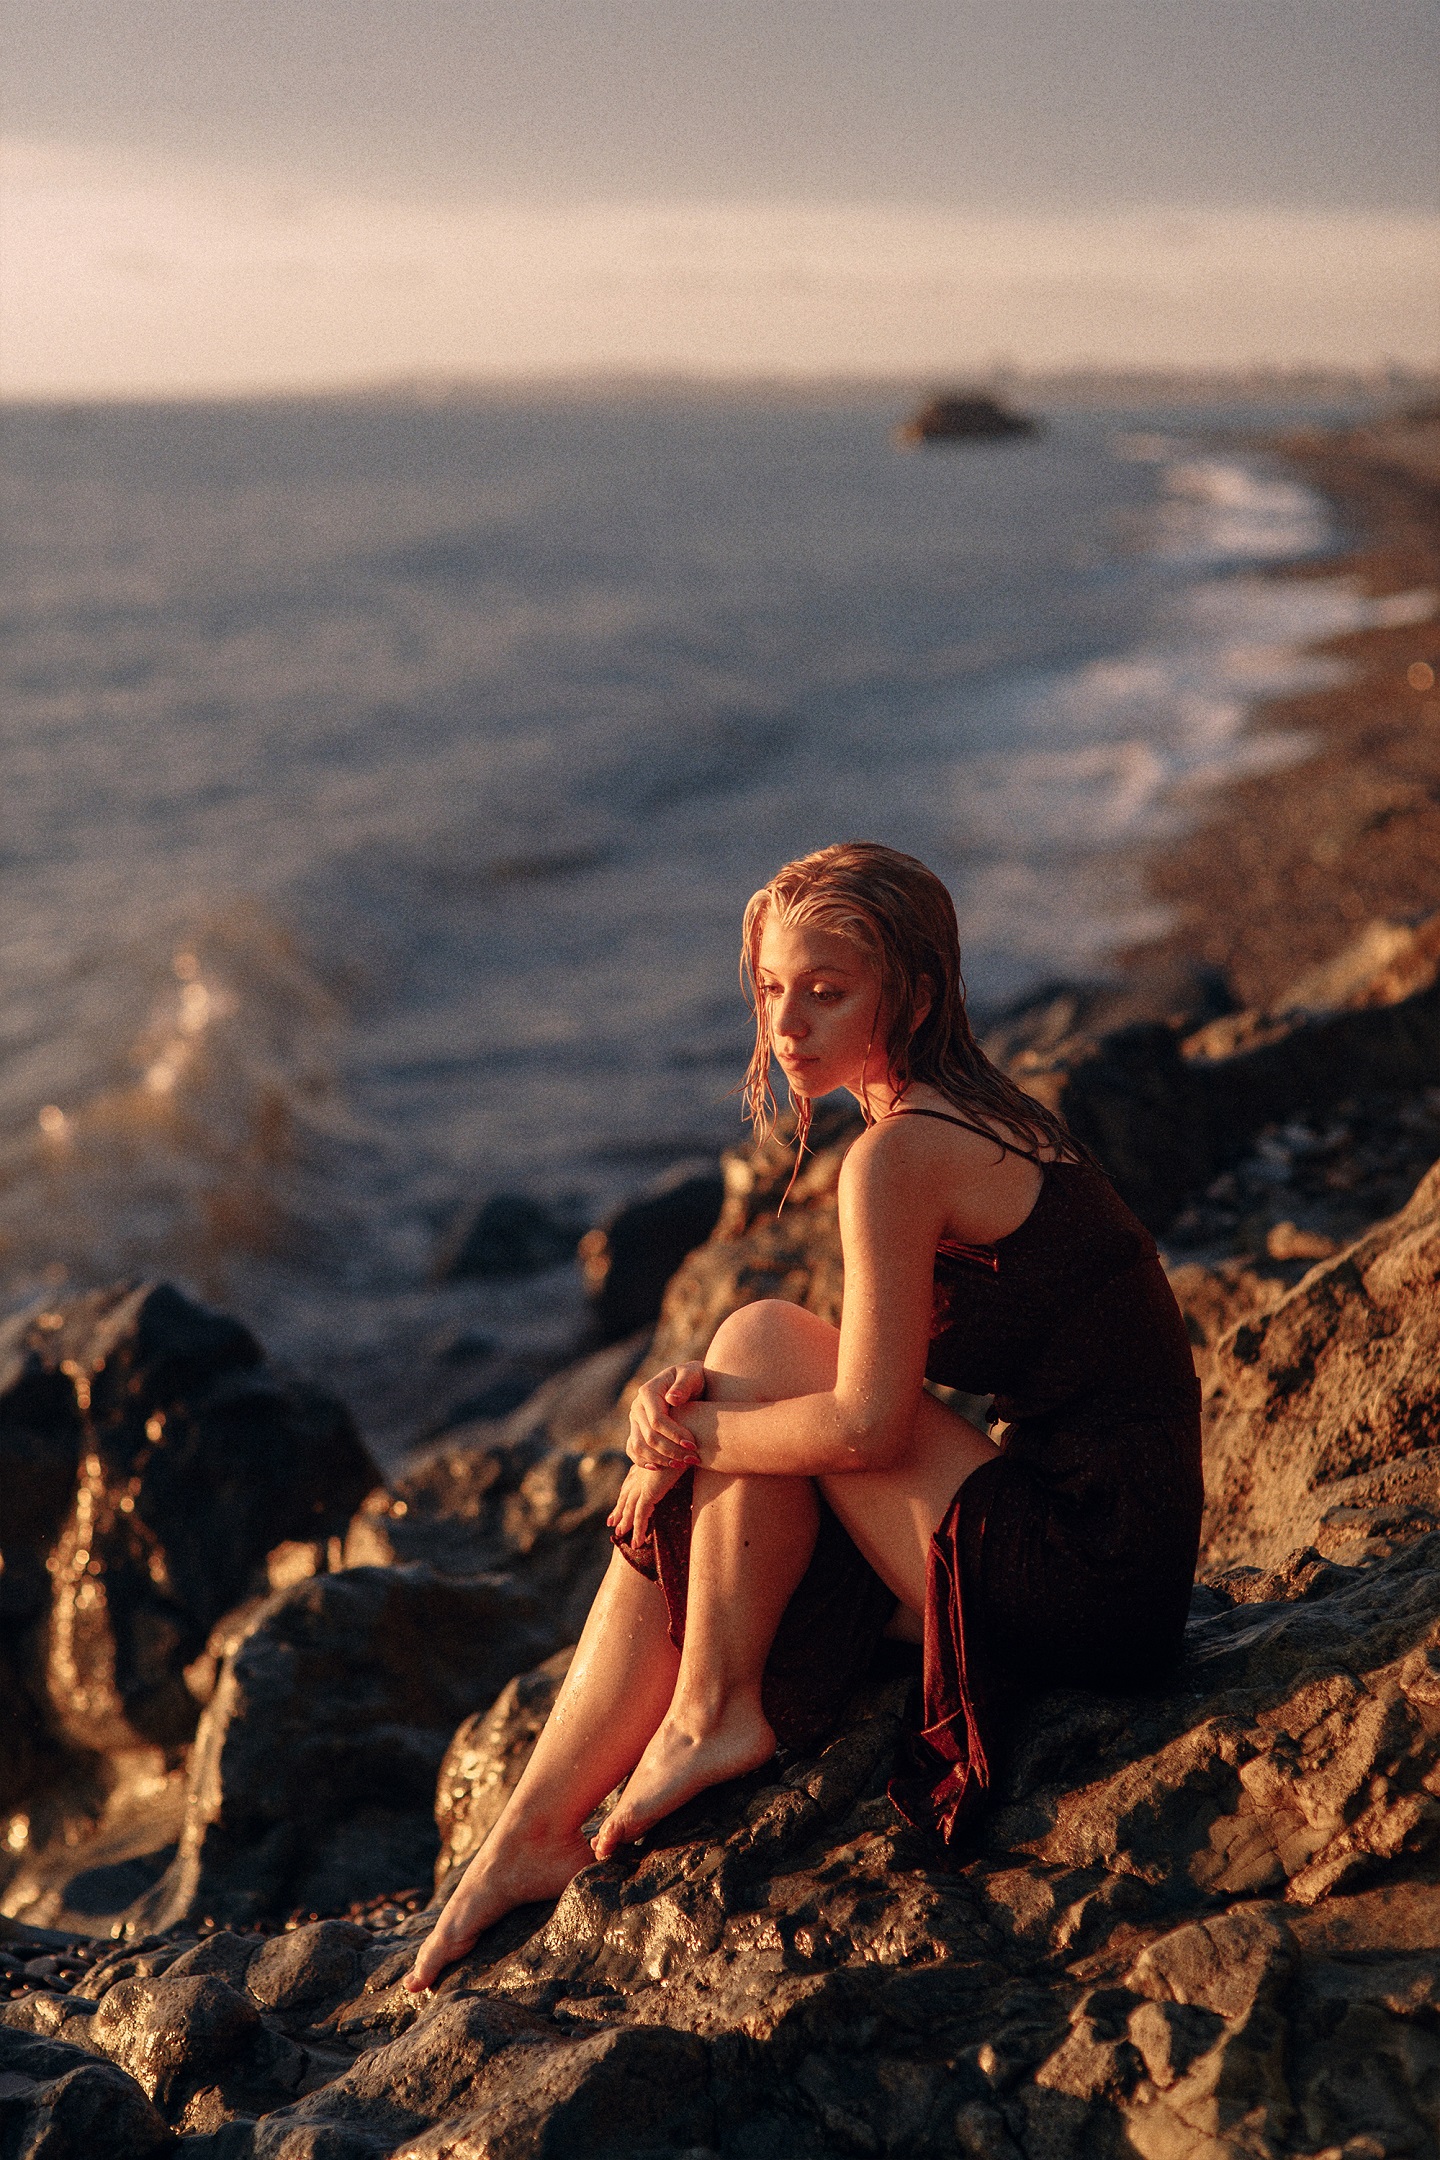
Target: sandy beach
[(1290, 864)]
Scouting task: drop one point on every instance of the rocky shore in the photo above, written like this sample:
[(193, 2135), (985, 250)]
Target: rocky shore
[(261, 1704)]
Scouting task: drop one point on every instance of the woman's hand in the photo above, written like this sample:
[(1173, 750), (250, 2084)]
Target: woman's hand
[(658, 1441), (640, 1495)]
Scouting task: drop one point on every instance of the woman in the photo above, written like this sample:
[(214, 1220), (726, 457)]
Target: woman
[(983, 1249)]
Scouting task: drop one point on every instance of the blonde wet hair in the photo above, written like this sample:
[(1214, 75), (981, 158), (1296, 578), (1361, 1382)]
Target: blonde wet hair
[(902, 918)]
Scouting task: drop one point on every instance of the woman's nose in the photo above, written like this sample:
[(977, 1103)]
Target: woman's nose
[(790, 1022)]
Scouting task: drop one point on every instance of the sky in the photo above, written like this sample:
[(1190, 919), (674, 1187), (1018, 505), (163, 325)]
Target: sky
[(207, 196)]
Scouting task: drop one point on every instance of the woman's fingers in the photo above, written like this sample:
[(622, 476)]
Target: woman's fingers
[(688, 1385), (649, 1451), (656, 1441), (622, 1515), (639, 1496)]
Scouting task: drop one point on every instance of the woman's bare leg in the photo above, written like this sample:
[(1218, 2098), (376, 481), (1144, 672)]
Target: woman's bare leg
[(750, 1543), (769, 1350), (617, 1690)]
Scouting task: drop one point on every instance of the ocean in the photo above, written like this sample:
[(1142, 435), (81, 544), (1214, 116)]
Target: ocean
[(383, 780)]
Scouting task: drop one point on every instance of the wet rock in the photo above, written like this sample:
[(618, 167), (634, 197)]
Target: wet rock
[(1138, 1950), (483, 1763), (1296, 1753), (193, 1461), (30, 1760), (1209, 1914), (430, 2073), (535, 1487), (57, 2103), (50, 2014), (165, 2032), (607, 2097), (197, 2047), (41, 1429), (98, 1842), (1323, 1426), (628, 1259), (508, 1234), (306, 1965), (312, 1777), (223, 1952)]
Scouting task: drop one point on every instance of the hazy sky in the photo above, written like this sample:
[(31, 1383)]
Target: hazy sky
[(206, 195)]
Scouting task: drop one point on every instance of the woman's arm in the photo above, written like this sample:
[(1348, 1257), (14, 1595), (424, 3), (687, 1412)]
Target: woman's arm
[(892, 1210)]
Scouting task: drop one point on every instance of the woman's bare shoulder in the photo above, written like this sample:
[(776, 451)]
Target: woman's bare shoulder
[(902, 1150), (965, 1183)]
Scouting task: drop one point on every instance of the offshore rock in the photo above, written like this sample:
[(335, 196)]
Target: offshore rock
[(187, 1461), (969, 416), (312, 1776), (1323, 1420)]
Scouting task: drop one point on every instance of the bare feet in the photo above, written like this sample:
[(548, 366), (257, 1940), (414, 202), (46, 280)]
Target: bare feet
[(495, 1882), (685, 1756)]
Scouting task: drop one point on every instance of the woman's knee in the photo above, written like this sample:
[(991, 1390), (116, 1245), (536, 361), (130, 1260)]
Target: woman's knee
[(779, 1347)]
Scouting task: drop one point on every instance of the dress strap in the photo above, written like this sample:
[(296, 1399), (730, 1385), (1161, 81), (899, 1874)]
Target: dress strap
[(954, 1248), (945, 1118)]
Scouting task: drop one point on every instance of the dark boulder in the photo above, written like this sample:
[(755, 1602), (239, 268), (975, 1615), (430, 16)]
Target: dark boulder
[(629, 1258), (41, 1430), (312, 1776), (173, 2034), (59, 2103), (508, 1234), (188, 1461), (306, 1965), (1166, 1108)]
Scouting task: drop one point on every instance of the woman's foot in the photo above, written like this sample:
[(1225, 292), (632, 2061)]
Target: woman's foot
[(493, 1885), (685, 1756)]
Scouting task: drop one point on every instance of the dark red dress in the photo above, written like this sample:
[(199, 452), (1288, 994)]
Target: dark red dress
[(1068, 1560)]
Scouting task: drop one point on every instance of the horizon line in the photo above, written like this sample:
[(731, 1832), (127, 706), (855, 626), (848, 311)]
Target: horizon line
[(1080, 378)]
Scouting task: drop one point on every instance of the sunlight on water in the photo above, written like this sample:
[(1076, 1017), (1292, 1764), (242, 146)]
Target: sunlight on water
[(384, 783)]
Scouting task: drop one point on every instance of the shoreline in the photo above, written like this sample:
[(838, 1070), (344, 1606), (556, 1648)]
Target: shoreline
[(1287, 866)]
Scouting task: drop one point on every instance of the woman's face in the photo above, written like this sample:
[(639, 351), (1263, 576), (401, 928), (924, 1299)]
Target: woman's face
[(822, 997)]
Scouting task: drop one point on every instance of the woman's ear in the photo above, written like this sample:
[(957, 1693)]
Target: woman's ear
[(924, 1000)]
